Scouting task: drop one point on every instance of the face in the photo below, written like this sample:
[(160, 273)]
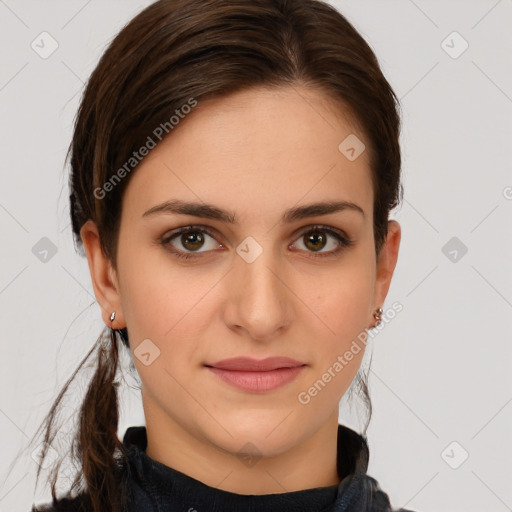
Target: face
[(270, 283)]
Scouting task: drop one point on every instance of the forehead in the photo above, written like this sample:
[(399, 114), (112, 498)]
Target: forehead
[(258, 150)]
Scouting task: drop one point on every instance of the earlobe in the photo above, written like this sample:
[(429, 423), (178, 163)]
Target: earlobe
[(103, 276), (386, 262)]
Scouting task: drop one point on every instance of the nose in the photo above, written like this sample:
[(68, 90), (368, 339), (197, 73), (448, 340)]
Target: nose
[(260, 301)]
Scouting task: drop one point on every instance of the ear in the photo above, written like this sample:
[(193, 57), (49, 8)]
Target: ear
[(103, 276), (386, 263)]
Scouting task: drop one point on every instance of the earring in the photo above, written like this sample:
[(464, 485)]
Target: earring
[(122, 332), (378, 316)]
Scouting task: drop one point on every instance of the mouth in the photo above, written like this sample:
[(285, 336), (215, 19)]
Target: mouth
[(257, 375), (258, 365)]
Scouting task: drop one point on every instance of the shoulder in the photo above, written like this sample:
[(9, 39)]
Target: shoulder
[(76, 504)]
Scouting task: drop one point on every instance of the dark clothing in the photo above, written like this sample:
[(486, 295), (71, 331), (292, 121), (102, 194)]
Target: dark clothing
[(155, 487)]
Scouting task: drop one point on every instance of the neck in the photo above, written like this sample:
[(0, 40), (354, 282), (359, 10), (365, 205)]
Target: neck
[(257, 468)]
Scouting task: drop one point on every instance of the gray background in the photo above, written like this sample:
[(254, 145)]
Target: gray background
[(440, 378)]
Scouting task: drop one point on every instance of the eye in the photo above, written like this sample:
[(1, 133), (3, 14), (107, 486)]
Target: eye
[(191, 239), (316, 238)]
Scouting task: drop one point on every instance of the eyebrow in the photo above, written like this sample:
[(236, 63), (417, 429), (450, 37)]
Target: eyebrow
[(209, 211)]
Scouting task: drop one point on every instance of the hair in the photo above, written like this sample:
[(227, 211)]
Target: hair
[(171, 52)]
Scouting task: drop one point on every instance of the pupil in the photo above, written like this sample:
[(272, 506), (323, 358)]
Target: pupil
[(195, 239), (315, 238)]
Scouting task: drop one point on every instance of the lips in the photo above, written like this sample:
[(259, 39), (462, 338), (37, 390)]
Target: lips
[(249, 364), (257, 376)]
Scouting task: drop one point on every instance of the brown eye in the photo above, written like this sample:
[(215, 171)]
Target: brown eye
[(315, 240), (192, 241), (318, 238), (186, 242)]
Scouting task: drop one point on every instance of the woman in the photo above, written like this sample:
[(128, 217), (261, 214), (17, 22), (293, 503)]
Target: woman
[(233, 167)]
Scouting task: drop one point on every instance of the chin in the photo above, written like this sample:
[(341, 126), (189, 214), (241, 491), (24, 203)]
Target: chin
[(256, 441)]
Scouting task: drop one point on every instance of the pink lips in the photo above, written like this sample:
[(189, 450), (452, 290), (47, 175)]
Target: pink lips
[(257, 375)]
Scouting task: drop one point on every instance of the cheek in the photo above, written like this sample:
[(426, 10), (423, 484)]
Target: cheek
[(346, 298), (344, 306), (164, 301), (166, 309)]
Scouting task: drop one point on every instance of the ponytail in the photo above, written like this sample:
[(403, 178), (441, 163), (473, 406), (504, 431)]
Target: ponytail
[(95, 445)]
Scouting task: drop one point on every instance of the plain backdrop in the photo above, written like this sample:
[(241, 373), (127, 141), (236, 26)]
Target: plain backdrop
[(440, 380)]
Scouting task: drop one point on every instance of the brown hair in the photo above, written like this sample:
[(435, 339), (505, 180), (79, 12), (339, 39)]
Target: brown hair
[(172, 51)]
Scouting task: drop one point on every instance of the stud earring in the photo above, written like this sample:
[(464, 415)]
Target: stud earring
[(378, 316)]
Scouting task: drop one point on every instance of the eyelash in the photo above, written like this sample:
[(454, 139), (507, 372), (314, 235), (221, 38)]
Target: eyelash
[(344, 241)]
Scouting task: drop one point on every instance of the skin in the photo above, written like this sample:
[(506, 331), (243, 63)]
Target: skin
[(255, 153)]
